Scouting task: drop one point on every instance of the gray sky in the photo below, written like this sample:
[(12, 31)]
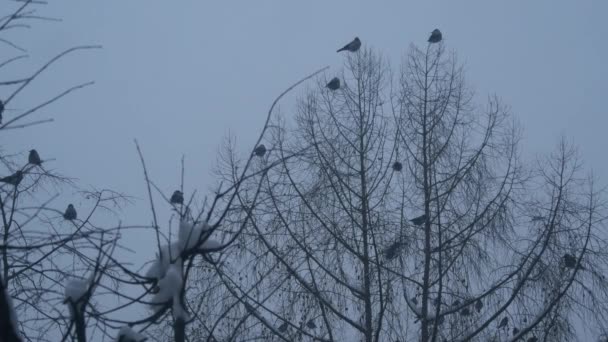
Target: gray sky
[(179, 76)]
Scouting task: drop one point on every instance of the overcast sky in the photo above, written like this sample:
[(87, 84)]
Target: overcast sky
[(180, 75)]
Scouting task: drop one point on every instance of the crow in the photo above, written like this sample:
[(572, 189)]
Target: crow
[(177, 197), (397, 166), (260, 151), (418, 221), (70, 213), (334, 84), (352, 46), (435, 36), (34, 158), (13, 179)]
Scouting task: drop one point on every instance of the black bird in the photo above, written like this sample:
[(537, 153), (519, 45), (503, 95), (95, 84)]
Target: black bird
[(478, 305), (465, 312), (177, 197), (417, 221), (352, 46), (503, 323), (570, 261), (515, 331), (392, 251), (283, 327), (13, 179), (533, 339), (260, 151), (397, 166), (311, 324), (435, 36), (1, 110), (70, 213), (334, 84), (34, 158), (456, 303)]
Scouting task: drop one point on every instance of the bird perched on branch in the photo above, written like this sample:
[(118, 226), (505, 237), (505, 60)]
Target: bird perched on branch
[(352, 46), (260, 151), (334, 84), (311, 324), (397, 166), (13, 179), (478, 305), (177, 197), (1, 110), (570, 261), (34, 158), (503, 323), (435, 36), (417, 221), (70, 213), (393, 250)]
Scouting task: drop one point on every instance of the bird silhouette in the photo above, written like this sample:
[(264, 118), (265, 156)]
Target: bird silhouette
[(570, 261), (465, 312), (311, 324), (515, 331), (13, 179), (352, 46), (503, 323), (334, 84), (177, 197), (260, 151), (34, 158), (70, 213), (435, 36), (478, 305), (397, 166), (417, 221), (1, 110), (283, 327), (392, 251)]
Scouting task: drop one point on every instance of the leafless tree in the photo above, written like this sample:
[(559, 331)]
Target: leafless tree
[(402, 211)]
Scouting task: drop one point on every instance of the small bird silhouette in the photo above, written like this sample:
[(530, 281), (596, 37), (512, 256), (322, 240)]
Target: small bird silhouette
[(435, 36), (397, 166), (393, 250), (417, 221), (334, 84), (283, 327), (570, 261), (465, 312), (352, 46), (515, 331), (260, 151), (311, 324), (503, 323), (13, 179), (70, 213), (177, 197), (1, 110), (478, 305), (34, 158)]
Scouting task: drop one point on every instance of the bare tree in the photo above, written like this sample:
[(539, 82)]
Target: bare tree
[(403, 211)]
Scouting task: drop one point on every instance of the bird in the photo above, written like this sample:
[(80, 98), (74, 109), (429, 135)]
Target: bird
[(13, 179), (435, 36), (334, 84), (456, 303), (177, 197), (515, 331), (397, 166), (478, 305), (70, 213), (260, 151), (311, 324), (417, 221), (570, 261), (283, 327), (352, 46), (465, 312), (503, 323), (1, 110), (34, 158), (392, 251)]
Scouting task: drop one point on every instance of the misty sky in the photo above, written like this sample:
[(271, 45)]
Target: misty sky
[(179, 76)]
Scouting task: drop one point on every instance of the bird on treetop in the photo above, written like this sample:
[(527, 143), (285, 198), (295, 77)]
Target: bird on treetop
[(417, 221), (260, 151), (13, 179), (334, 84), (34, 158), (352, 46), (177, 197), (70, 213), (435, 36), (503, 323)]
